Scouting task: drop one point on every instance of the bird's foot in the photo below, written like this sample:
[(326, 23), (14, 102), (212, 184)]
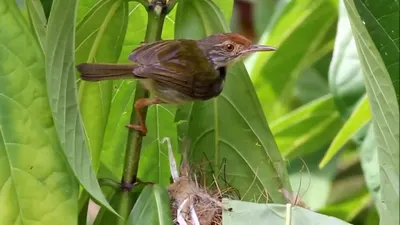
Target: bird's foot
[(140, 128)]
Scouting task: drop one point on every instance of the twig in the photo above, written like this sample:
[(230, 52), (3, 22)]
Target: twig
[(155, 23)]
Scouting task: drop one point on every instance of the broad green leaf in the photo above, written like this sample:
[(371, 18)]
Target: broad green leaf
[(34, 174), (274, 75), (307, 129), (358, 119), (370, 166), (38, 20), (253, 213), (99, 38), (229, 133), (160, 118), (381, 19), (84, 6), (62, 89), (345, 76), (122, 202), (385, 116), (204, 13), (151, 208)]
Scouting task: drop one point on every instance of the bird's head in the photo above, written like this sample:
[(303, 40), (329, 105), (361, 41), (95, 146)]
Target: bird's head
[(225, 49)]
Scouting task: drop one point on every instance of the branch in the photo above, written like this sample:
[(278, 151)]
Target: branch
[(155, 23)]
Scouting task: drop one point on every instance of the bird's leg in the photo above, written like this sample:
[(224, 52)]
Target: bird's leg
[(141, 103)]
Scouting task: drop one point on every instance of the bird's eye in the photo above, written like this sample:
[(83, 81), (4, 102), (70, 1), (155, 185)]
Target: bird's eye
[(230, 47)]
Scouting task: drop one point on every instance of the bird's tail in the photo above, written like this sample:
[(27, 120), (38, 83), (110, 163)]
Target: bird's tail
[(101, 71)]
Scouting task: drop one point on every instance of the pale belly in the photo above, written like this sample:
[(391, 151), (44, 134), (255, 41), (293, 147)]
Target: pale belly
[(166, 95)]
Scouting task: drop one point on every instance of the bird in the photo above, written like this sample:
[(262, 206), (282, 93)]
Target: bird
[(176, 71)]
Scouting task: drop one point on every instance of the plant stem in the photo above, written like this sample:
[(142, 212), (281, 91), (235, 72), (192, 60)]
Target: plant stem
[(156, 16)]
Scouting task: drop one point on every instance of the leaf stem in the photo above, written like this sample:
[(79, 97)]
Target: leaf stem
[(156, 16), (109, 183)]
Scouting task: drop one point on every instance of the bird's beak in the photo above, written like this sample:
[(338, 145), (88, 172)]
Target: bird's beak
[(258, 48)]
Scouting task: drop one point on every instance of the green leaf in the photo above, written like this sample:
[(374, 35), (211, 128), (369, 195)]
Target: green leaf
[(370, 166), (308, 128), (38, 20), (345, 76), (116, 133), (264, 11), (230, 128), (311, 184), (61, 86), (274, 75), (151, 208), (99, 38), (381, 19), (253, 213), (122, 202), (360, 117), (154, 163), (84, 6), (47, 7), (347, 210), (34, 174), (310, 86), (205, 13), (385, 116)]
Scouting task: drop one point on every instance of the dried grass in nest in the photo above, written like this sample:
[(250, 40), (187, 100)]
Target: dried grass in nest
[(187, 199), (192, 204)]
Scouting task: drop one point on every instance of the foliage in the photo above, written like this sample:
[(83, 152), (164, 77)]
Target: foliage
[(318, 118)]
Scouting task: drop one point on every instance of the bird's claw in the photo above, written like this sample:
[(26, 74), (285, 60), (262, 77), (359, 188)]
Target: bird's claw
[(141, 129)]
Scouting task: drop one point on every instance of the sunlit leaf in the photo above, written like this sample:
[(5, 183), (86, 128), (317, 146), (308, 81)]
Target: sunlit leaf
[(84, 7), (62, 89), (275, 75), (385, 115), (38, 20), (307, 129), (359, 118), (99, 38), (345, 76), (229, 133), (36, 185)]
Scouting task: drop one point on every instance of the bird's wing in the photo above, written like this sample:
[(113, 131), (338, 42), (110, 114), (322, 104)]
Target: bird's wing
[(176, 64), (193, 85)]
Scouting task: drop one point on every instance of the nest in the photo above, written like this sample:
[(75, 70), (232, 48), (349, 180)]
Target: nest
[(190, 203)]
